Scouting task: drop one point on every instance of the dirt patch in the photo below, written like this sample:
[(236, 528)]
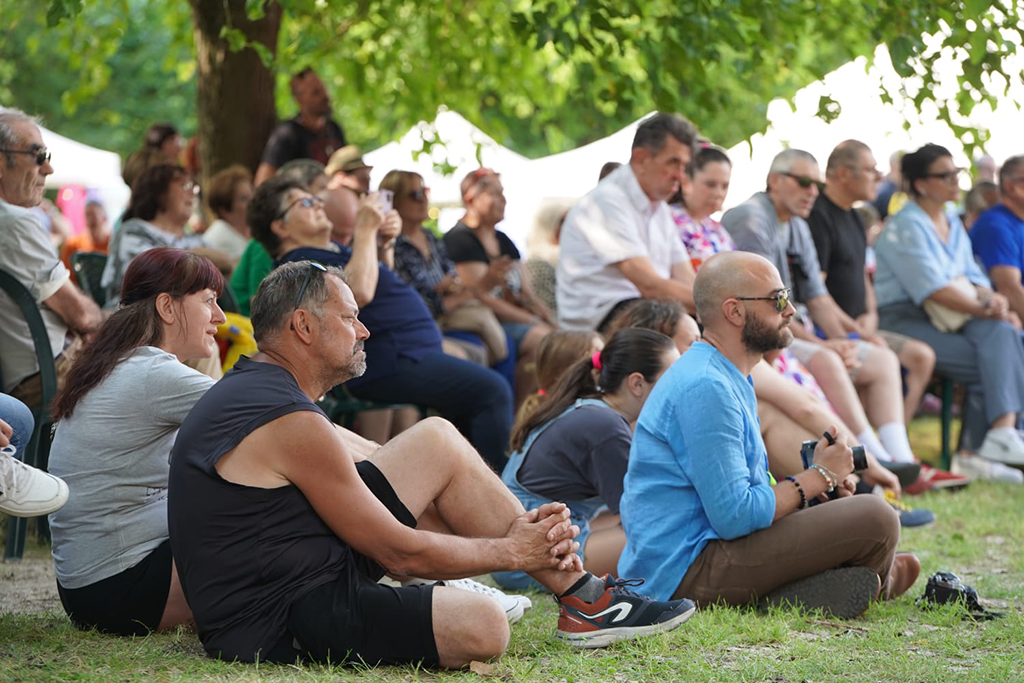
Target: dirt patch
[(29, 586)]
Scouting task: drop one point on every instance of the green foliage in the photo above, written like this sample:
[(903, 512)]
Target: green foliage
[(541, 76)]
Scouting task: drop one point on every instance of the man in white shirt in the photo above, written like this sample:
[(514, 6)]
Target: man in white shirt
[(27, 254), (619, 242)]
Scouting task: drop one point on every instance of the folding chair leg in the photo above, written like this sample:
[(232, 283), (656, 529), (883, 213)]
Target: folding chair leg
[(15, 548), (947, 423)]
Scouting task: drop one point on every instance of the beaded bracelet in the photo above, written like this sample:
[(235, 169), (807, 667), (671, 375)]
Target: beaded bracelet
[(829, 478), (800, 490)]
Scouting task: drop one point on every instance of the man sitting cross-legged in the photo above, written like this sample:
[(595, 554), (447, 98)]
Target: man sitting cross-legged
[(281, 523), (703, 516)]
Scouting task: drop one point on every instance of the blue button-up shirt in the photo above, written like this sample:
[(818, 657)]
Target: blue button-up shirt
[(913, 263), (698, 470)]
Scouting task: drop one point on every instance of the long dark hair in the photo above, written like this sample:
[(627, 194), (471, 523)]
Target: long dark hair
[(707, 154), (149, 191), (628, 351), (136, 322)]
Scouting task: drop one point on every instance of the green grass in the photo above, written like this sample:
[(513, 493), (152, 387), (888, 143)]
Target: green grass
[(979, 535)]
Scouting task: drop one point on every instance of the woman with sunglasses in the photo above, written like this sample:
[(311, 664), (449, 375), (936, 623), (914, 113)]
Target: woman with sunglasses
[(117, 418), (161, 204), (929, 287), (421, 259)]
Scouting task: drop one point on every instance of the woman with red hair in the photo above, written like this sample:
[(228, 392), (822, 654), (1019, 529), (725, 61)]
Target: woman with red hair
[(117, 418)]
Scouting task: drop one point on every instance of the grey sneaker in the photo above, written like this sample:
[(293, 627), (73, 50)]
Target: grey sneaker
[(26, 491), (977, 467), (1003, 445)]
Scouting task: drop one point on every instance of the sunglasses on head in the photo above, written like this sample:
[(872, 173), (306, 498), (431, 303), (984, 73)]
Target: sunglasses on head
[(313, 265), (42, 154), (781, 298), (805, 181)]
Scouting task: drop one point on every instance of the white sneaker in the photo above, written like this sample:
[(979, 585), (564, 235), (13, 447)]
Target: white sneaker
[(1003, 445), (514, 605), (977, 467), (26, 491)]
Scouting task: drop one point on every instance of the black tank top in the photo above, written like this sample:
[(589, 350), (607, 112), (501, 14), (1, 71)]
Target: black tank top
[(244, 554)]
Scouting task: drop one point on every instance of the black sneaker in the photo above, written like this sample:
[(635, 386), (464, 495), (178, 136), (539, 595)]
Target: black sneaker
[(619, 614), (843, 593)]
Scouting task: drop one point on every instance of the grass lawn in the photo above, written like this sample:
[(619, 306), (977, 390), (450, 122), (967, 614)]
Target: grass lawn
[(979, 535)]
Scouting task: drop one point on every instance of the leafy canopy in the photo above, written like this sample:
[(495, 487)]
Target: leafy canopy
[(540, 76)]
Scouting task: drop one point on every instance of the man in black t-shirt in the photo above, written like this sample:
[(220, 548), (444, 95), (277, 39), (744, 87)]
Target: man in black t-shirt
[(313, 134), (851, 176)]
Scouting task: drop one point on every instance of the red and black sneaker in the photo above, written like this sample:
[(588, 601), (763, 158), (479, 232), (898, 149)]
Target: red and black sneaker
[(619, 614)]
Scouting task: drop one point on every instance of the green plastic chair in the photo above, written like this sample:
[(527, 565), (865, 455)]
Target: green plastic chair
[(37, 453), (88, 267)]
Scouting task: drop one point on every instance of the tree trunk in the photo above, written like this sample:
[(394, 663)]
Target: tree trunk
[(235, 93)]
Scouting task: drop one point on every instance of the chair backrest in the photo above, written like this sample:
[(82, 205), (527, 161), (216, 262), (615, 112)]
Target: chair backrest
[(88, 267), (37, 328), (37, 452), (227, 301)]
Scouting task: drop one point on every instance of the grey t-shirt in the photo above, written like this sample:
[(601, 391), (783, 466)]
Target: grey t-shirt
[(754, 226), (582, 454), (114, 453), (27, 254)]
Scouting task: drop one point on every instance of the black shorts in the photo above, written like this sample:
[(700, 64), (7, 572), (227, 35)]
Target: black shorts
[(127, 604), (354, 619)]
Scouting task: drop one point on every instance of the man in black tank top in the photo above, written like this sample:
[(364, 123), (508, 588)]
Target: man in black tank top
[(281, 523)]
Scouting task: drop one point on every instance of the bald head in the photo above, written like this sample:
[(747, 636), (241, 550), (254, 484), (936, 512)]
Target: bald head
[(730, 274)]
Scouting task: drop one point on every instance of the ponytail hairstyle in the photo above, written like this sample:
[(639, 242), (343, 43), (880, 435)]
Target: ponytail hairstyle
[(557, 352), (628, 351), (136, 322)]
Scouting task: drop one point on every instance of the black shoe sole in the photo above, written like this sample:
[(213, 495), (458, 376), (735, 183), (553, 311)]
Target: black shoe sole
[(906, 472), (843, 593)]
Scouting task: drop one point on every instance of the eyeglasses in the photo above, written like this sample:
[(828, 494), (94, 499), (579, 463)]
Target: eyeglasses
[(805, 181), (419, 195), (309, 201), (313, 265), (781, 298), (189, 186), (42, 154), (948, 176)]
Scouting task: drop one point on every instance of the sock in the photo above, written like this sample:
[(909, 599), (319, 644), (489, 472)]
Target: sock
[(894, 438), (874, 446), (587, 589)]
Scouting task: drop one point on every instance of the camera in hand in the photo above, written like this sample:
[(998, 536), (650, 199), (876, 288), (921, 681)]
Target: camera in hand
[(860, 458)]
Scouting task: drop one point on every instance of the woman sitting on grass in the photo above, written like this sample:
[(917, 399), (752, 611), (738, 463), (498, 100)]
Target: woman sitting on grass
[(575, 447), (117, 418)]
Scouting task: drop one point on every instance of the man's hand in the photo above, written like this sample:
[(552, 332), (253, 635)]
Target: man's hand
[(390, 231), (543, 538), (6, 432), (836, 457), (847, 350), (369, 218)]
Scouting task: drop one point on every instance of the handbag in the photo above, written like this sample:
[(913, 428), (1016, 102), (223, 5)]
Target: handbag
[(944, 318), (473, 316)]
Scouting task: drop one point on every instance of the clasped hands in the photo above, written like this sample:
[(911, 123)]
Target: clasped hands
[(544, 538)]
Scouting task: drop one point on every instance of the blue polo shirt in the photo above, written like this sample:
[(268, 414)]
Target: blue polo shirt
[(698, 470), (399, 323), (998, 238)]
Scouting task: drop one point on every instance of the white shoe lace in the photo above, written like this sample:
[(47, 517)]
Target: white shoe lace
[(9, 470)]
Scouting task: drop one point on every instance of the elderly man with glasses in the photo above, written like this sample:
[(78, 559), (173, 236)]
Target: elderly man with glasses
[(704, 517), (27, 254)]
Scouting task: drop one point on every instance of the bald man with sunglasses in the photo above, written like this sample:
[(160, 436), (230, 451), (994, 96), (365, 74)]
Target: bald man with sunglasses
[(702, 514), (27, 254)]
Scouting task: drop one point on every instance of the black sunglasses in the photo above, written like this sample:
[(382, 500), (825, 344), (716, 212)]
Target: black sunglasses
[(781, 298), (805, 181), (948, 176), (42, 154), (313, 265), (309, 201), (419, 195)]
